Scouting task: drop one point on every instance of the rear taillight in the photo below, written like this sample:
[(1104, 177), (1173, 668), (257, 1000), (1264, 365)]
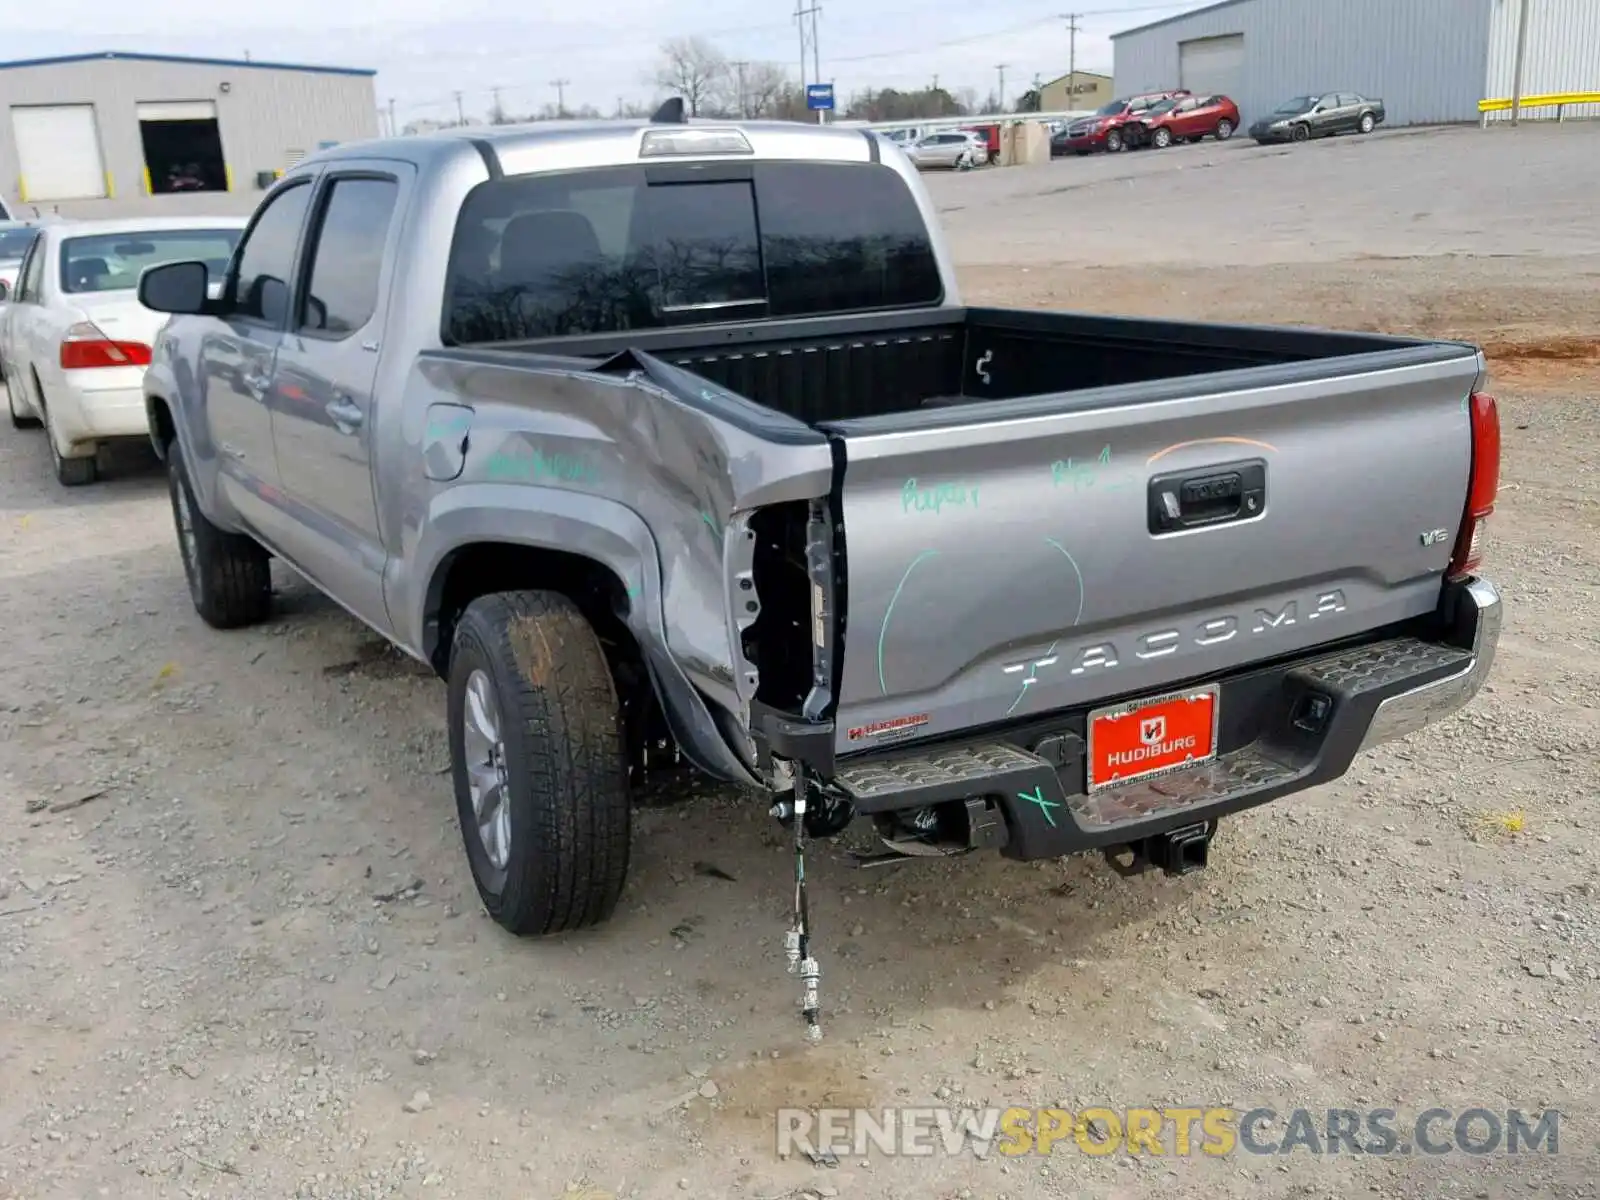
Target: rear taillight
[(1483, 484), (86, 345)]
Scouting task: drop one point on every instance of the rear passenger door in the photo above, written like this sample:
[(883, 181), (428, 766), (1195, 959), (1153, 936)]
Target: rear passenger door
[(323, 401)]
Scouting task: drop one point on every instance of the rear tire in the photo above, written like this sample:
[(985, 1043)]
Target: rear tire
[(538, 761), (1224, 130), (1368, 123), (229, 574)]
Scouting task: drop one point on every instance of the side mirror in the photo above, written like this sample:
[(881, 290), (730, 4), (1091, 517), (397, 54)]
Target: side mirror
[(5, 291), (178, 287)]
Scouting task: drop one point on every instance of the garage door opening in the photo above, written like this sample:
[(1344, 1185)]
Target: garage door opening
[(182, 148)]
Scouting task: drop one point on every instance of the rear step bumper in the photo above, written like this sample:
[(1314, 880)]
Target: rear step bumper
[(1286, 728)]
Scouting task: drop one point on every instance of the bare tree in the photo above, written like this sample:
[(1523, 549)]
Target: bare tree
[(768, 90), (694, 69)]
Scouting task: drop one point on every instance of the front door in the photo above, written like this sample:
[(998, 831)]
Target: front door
[(237, 356), (323, 415)]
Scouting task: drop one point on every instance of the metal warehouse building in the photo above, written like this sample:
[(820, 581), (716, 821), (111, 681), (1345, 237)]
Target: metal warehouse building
[(1428, 60), (117, 134)]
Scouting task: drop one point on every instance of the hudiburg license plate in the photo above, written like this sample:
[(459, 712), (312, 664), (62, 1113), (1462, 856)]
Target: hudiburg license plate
[(1147, 737)]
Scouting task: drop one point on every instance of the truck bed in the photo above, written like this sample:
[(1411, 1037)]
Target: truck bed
[(881, 364), (1032, 512)]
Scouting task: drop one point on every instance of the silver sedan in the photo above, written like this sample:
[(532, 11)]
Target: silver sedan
[(954, 149)]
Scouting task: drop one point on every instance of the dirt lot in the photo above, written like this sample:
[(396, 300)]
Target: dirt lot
[(238, 937)]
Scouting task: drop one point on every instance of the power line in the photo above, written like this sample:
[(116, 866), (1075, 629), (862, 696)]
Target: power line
[(808, 41)]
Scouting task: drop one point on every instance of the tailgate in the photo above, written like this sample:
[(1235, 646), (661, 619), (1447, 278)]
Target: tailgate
[(1112, 543)]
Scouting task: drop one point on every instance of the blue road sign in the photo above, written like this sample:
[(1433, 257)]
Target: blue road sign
[(819, 96)]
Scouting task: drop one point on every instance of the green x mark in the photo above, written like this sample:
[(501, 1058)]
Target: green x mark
[(1037, 796)]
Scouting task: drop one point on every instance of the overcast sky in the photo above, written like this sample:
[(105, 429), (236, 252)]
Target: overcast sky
[(424, 51)]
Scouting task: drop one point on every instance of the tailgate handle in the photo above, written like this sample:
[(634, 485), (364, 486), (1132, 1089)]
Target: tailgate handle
[(1214, 495)]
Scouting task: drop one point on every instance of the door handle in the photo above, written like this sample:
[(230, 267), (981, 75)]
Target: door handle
[(1209, 496), (345, 414)]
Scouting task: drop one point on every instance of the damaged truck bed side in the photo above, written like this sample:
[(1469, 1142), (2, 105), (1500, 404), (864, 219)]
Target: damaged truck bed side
[(663, 439)]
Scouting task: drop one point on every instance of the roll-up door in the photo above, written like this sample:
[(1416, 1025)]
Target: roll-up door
[(58, 152), (1212, 66)]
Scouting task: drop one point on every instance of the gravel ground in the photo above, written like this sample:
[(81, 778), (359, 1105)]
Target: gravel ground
[(240, 955)]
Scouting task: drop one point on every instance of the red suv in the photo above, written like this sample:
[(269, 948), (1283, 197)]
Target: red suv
[(1183, 119), (1103, 130)]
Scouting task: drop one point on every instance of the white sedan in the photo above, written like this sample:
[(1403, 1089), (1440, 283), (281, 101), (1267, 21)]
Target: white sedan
[(74, 339)]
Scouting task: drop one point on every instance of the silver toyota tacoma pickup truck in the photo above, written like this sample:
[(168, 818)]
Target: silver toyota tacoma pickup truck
[(668, 442)]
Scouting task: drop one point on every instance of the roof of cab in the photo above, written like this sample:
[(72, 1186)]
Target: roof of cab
[(508, 141)]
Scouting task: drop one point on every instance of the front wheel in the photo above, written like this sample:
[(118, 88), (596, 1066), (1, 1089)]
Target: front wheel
[(19, 420), (1302, 133), (1161, 139), (1368, 122), (229, 574), (1224, 130), (1114, 143), (539, 767)]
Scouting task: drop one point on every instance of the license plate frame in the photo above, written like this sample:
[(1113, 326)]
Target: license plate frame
[(1210, 694)]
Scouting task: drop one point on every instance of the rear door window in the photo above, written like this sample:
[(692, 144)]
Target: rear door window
[(348, 260), (608, 250)]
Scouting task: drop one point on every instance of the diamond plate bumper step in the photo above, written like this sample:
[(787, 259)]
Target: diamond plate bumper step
[(945, 773)]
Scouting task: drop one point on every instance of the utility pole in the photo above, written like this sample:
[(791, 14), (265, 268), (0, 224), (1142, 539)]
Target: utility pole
[(800, 15), (1522, 50), (800, 24), (393, 128), (1001, 69), (738, 68), (560, 86), (1072, 55), (497, 114), (461, 114)]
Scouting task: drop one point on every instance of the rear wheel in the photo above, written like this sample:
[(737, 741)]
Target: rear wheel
[(539, 766), (1368, 122), (229, 574), (1224, 130), (70, 472)]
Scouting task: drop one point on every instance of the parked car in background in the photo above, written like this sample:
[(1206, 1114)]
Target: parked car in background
[(1103, 130), (1183, 119), (74, 339), (957, 149), (1305, 117), (15, 238)]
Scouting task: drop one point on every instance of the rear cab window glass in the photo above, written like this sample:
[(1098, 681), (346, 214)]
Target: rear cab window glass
[(110, 262), (603, 251)]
